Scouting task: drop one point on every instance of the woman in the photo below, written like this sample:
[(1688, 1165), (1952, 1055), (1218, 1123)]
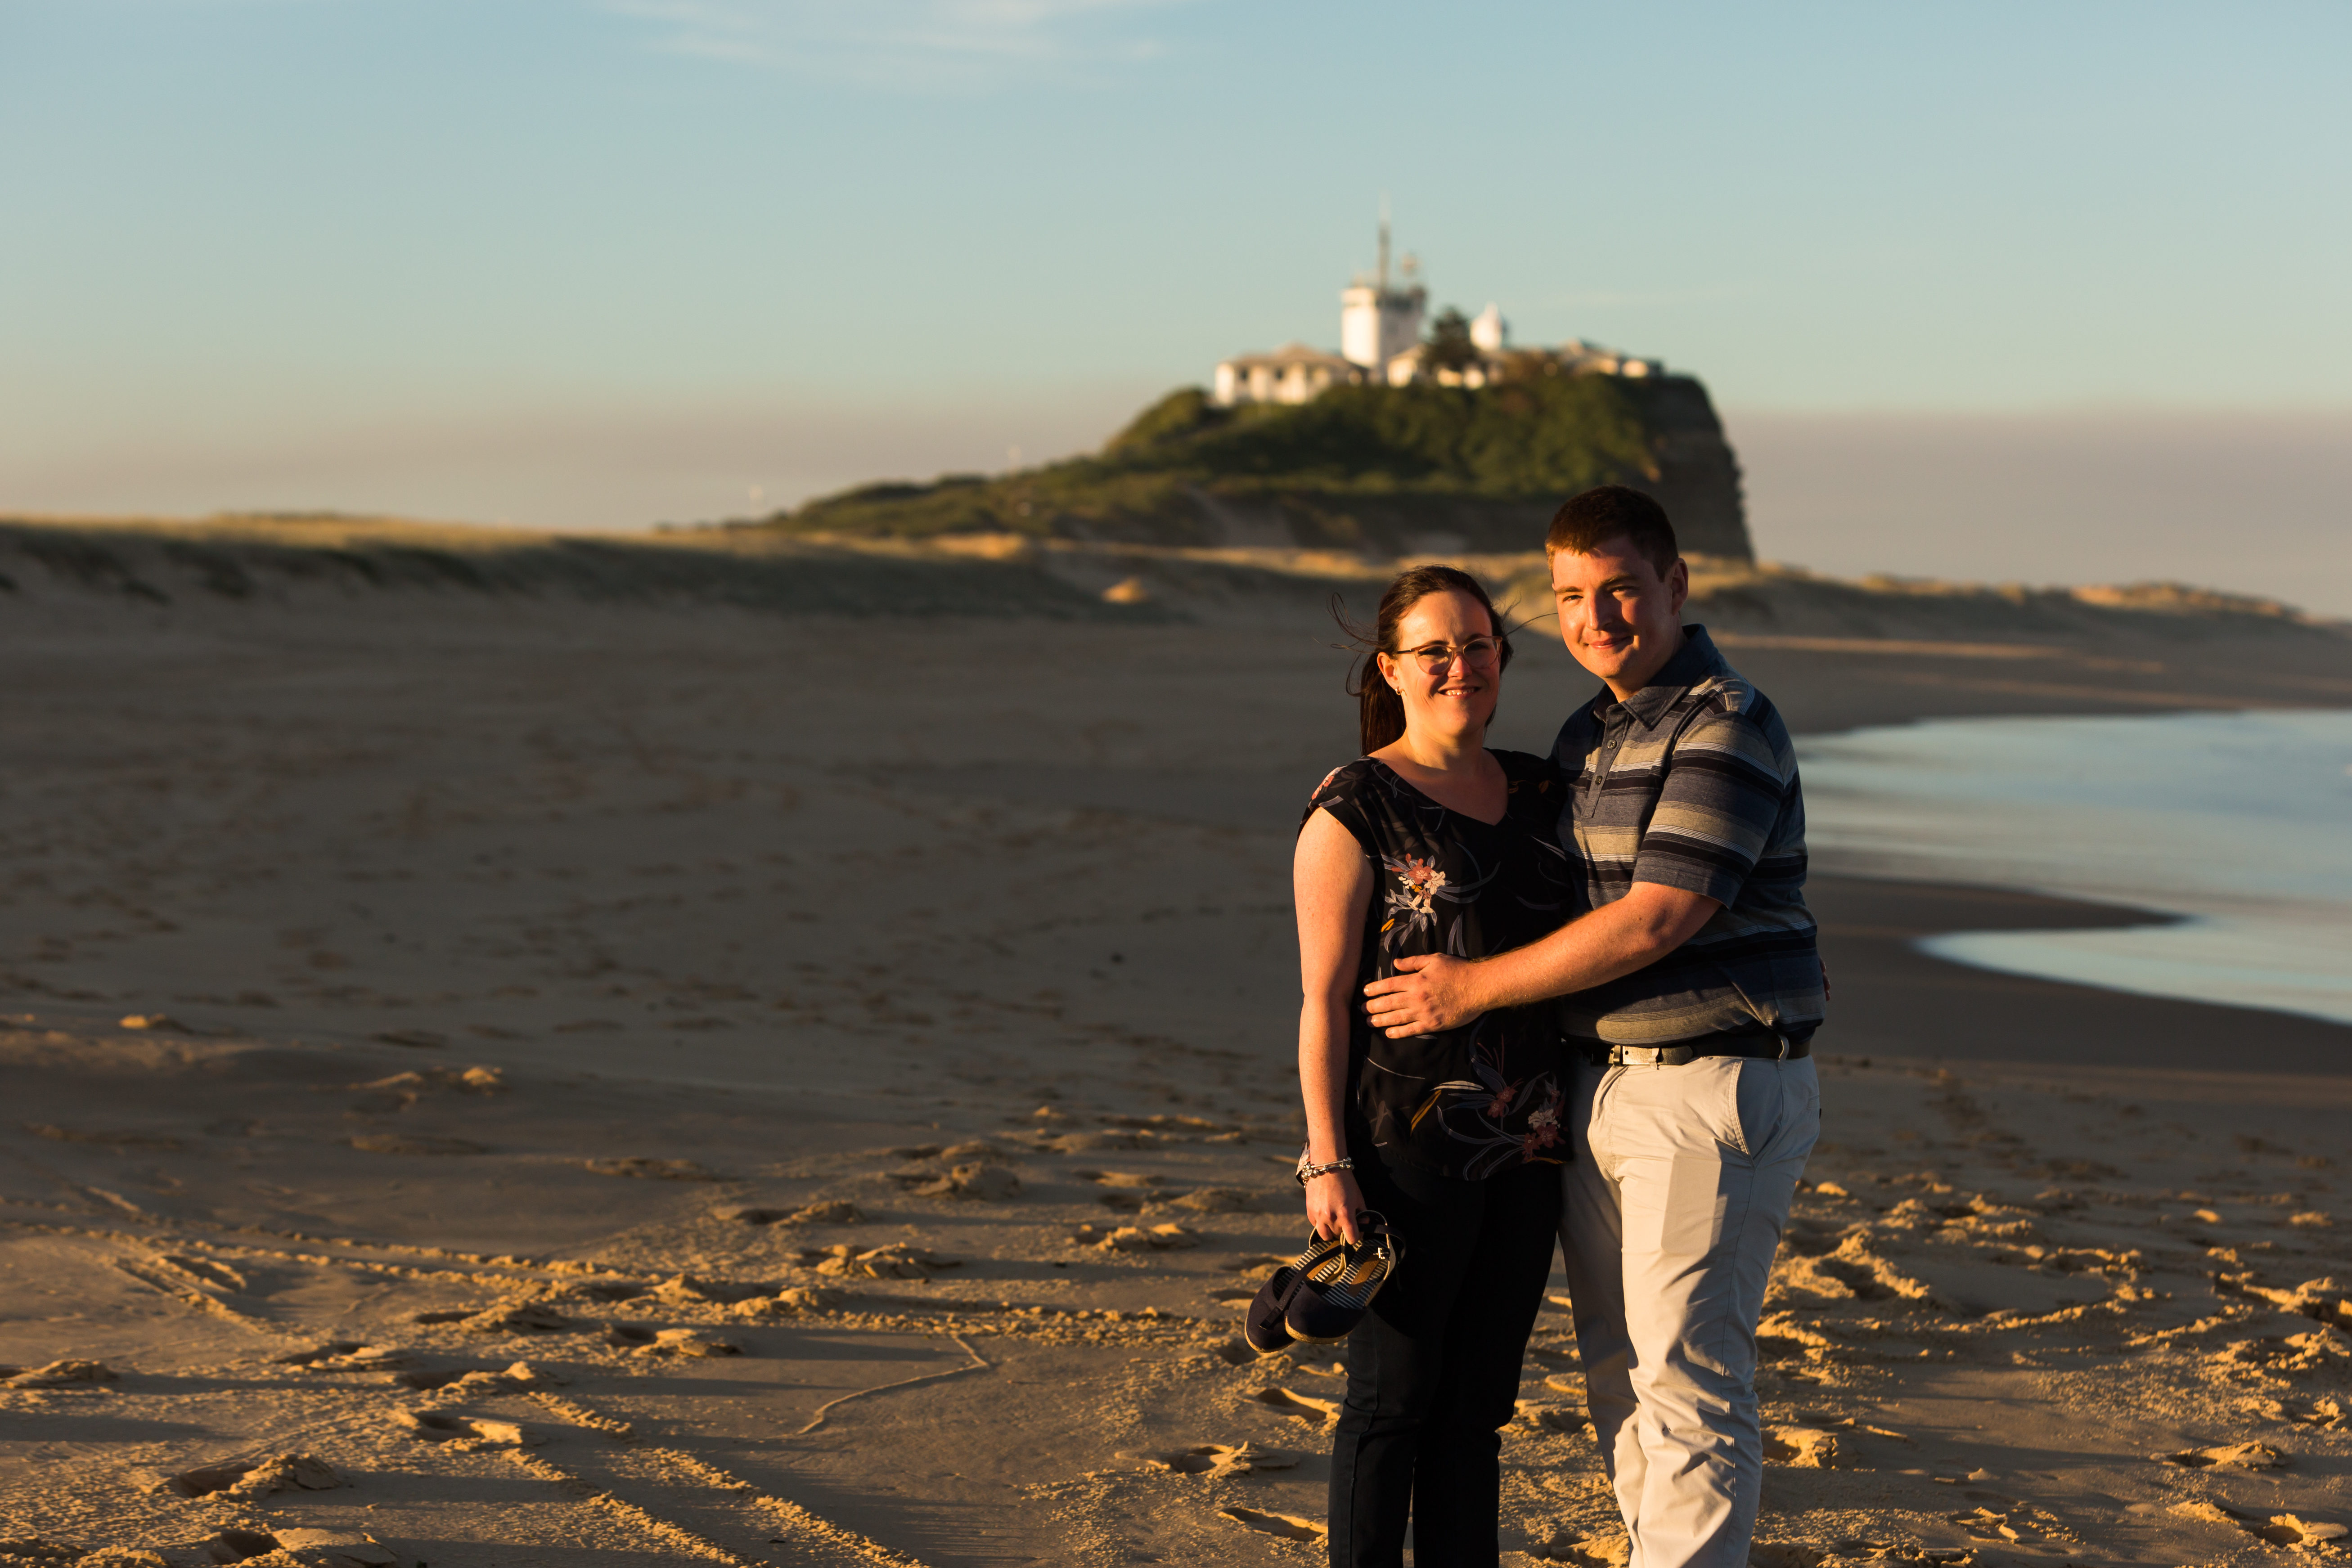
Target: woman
[(1431, 844)]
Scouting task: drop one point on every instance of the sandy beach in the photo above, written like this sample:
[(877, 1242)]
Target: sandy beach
[(546, 1076)]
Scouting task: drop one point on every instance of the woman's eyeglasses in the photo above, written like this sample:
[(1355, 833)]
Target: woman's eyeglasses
[(1478, 653)]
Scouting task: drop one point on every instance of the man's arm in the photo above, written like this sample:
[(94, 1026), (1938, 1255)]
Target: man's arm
[(1439, 992)]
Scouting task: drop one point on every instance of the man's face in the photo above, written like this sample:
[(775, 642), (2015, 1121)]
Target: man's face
[(1620, 619)]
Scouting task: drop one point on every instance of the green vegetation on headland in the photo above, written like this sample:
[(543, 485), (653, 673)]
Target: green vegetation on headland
[(1360, 468)]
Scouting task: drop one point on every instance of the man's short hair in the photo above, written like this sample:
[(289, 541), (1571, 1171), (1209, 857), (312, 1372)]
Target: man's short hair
[(1585, 522)]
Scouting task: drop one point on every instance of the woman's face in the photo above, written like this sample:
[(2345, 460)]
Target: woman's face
[(1449, 695)]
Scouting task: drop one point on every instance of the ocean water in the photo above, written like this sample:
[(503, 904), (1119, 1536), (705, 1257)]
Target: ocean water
[(2242, 823)]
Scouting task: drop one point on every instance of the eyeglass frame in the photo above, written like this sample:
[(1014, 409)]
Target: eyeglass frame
[(1496, 647)]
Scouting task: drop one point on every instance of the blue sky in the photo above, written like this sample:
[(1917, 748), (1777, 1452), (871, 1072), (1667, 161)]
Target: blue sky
[(585, 262)]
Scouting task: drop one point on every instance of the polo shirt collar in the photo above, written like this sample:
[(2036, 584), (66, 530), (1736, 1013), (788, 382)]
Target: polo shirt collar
[(1694, 661)]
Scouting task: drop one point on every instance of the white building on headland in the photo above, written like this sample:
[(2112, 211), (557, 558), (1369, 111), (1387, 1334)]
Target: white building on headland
[(1378, 322), (1380, 343), (1291, 373)]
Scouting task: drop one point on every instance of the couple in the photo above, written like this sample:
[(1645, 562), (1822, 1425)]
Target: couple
[(1567, 997)]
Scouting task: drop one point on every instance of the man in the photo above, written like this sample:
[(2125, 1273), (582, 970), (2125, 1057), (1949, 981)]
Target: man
[(1694, 986)]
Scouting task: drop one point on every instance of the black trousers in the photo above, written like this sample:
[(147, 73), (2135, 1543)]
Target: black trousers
[(1434, 1370)]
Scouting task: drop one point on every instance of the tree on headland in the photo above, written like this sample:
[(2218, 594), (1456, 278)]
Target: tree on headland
[(1449, 346)]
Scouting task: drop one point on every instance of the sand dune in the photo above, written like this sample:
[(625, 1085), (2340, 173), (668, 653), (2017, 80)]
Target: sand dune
[(502, 1075)]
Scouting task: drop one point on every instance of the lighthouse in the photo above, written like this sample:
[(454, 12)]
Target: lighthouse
[(1378, 322)]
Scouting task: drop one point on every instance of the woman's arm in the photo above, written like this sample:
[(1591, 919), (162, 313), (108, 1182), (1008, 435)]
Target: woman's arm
[(1331, 883)]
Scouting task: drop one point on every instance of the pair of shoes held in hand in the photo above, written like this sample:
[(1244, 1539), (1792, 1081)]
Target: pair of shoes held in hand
[(1320, 1296)]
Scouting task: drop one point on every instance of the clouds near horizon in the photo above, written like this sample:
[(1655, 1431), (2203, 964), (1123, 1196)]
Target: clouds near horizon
[(906, 46)]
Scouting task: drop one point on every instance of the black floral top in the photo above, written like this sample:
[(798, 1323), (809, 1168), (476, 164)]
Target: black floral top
[(1492, 1093)]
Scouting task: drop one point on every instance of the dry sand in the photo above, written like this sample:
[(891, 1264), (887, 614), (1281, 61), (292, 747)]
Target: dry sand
[(660, 1081)]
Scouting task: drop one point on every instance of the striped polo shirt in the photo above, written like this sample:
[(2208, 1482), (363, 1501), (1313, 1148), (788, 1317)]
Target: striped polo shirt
[(1692, 782)]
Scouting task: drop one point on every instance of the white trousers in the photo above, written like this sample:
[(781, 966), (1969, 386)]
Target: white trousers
[(1675, 1203)]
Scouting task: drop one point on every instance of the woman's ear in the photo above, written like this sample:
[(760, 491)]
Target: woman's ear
[(1388, 667)]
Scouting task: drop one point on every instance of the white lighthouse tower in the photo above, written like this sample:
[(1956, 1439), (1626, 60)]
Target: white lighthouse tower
[(1378, 322)]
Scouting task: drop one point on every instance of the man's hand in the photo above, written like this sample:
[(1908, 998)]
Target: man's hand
[(1429, 992), (1433, 993)]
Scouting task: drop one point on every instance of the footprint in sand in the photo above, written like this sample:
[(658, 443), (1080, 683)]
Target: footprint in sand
[(2235, 1455), (1086, 1142), (1119, 1178), (1801, 1448), (1987, 1525), (654, 1170), (1216, 1459), (2292, 1529), (342, 1355), (463, 1080), (522, 1318), (56, 1374), (1218, 1200), (1288, 1526), (228, 1545), (1136, 1239), (416, 1143), (989, 1182), (805, 1299), (453, 1379), (1567, 1545), (897, 1261), (692, 1291), (441, 1426), (1298, 1406), (812, 1214), (256, 1477), (699, 1342), (1551, 1417), (116, 1140)]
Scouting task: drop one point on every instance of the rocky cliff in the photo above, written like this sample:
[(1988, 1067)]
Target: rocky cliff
[(1383, 470)]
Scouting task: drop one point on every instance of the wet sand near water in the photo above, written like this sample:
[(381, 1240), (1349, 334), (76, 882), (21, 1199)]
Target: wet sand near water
[(1890, 1000)]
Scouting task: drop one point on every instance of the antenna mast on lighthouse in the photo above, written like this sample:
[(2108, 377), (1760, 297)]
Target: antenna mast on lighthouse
[(1378, 322)]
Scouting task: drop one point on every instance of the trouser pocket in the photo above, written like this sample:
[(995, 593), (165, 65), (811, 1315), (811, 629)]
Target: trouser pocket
[(1760, 1094)]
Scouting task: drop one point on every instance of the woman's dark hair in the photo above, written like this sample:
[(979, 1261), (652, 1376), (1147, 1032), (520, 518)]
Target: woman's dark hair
[(1380, 710)]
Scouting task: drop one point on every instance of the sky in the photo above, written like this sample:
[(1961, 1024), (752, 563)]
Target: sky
[(599, 263)]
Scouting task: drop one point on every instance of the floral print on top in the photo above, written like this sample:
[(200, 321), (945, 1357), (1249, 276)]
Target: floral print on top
[(1489, 1095)]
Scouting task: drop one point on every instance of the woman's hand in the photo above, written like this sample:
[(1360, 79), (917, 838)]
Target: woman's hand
[(1333, 1201)]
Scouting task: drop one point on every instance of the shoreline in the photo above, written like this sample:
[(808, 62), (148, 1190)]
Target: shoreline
[(1902, 1003)]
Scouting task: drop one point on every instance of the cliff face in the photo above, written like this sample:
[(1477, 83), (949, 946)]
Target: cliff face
[(1695, 475), (1386, 470)]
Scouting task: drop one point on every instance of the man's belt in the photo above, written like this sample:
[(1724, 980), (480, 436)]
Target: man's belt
[(1760, 1043)]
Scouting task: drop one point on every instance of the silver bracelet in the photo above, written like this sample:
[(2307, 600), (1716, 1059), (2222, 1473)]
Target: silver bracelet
[(1308, 1172)]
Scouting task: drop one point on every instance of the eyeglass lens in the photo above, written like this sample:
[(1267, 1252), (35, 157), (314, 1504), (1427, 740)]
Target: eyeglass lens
[(1478, 653)]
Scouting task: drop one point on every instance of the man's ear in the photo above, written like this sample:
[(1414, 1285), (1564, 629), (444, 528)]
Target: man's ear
[(1678, 582)]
